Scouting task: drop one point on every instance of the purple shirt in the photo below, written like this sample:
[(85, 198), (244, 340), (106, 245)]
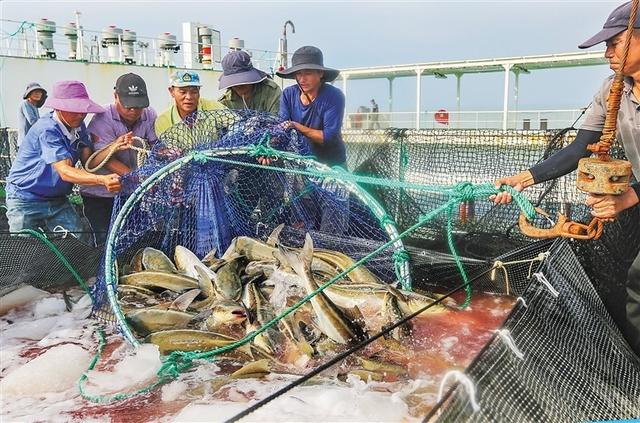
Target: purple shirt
[(104, 128)]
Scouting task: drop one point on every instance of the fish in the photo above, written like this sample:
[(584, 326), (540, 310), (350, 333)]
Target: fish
[(227, 282), (342, 262), (149, 320), (206, 290), (253, 249), (186, 262), (331, 320), (149, 279), (262, 312), (225, 313), (169, 341), (156, 260), (136, 262), (393, 314)]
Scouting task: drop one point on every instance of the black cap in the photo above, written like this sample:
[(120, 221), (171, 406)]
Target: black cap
[(616, 23), (132, 91)]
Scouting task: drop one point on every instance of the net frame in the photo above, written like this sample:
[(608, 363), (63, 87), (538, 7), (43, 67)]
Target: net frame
[(110, 261)]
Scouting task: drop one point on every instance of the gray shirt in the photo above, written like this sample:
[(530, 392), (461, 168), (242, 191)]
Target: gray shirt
[(628, 126)]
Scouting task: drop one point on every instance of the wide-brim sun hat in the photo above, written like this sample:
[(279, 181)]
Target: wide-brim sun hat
[(72, 96), (308, 58), (238, 70)]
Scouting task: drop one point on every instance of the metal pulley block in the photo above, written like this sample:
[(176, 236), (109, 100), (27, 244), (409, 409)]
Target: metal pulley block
[(597, 176)]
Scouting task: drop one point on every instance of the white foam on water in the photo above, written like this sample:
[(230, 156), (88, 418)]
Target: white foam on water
[(57, 370), (319, 403), (50, 306), (20, 297), (131, 372)]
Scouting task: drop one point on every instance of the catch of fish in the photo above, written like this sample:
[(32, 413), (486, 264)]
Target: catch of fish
[(192, 304)]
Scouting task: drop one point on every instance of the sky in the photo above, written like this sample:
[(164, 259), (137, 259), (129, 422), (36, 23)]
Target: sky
[(374, 33)]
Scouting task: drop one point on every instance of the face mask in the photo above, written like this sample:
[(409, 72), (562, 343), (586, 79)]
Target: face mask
[(40, 102)]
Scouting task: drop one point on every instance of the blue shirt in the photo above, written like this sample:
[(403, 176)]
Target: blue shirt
[(324, 113), (28, 115), (32, 176)]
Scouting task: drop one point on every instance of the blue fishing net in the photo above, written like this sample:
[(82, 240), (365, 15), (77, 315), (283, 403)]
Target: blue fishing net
[(205, 202)]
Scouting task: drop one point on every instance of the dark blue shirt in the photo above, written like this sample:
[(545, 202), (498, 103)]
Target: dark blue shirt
[(324, 113), (32, 176)]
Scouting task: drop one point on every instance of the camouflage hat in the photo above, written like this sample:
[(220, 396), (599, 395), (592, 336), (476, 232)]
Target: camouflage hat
[(184, 79)]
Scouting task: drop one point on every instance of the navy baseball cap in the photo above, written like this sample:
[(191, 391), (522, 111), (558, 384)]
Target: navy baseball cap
[(616, 23)]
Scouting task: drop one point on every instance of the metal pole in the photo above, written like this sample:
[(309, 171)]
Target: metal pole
[(418, 90), (516, 93), (458, 77), (390, 101), (80, 40), (505, 106)]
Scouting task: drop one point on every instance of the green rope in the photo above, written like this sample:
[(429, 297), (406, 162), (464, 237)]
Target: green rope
[(42, 237), (179, 361)]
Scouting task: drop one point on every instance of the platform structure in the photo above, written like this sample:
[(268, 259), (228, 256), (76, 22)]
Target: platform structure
[(508, 65)]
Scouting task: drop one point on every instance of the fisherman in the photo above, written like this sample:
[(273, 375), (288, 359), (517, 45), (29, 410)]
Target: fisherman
[(628, 130), (34, 97), (315, 109), (184, 87), (44, 171), (247, 87), (129, 116)]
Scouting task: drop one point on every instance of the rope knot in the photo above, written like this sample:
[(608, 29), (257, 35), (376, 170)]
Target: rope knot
[(464, 191), (199, 157)]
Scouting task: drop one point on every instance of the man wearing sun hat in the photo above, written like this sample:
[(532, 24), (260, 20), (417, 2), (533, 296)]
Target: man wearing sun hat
[(43, 173), (247, 87), (184, 87), (315, 109)]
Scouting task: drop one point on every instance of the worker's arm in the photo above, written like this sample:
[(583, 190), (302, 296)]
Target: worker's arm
[(560, 164), (114, 165), (315, 135), (71, 174)]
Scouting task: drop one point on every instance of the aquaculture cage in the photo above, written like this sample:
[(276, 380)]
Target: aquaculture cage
[(411, 206)]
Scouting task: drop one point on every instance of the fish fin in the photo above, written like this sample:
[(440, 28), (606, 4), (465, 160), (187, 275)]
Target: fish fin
[(396, 293), (211, 255), (184, 300), (273, 239), (231, 250), (204, 280)]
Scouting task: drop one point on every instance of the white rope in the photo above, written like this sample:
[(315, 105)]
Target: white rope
[(521, 299), (543, 280), (140, 157), (506, 337), (59, 229), (465, 382), (502, 265)]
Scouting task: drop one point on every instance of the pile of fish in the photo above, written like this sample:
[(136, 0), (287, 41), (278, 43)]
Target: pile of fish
[(192, 304)]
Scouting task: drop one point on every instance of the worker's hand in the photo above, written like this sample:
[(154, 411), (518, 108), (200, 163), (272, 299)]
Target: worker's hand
[(608, 207), (289, 124), (264, 161), (111, 182), (518, 182), (123, 142)]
